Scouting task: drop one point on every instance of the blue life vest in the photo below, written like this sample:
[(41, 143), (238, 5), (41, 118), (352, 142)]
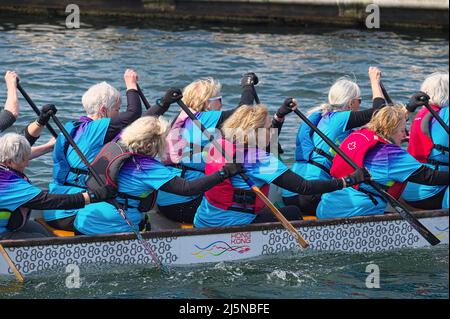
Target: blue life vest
[(304, 143), (63, 172)]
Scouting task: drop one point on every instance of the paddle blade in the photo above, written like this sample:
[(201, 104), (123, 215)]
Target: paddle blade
[(298, 237)]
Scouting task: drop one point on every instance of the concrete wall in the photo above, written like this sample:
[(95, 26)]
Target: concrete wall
[(393, 13)]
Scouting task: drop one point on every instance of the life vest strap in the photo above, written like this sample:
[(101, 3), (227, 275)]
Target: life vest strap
[(185, 168), (79, 171), (322, 167), (436, 164), (371, 195), (323, 153), (441, 148)]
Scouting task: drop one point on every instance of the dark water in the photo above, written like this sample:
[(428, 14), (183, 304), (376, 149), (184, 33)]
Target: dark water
[(57, 65)]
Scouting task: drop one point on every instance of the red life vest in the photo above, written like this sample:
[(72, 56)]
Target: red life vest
[(420, 141), (224, 195), (356, 146)]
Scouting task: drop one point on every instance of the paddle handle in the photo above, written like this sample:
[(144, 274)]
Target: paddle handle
[(13, 267), (303, 243), (399, 207), (437, 117), (143, 98), (386, 95), (35, 108)]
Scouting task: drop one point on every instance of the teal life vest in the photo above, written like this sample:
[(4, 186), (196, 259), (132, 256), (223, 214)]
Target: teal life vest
[(63, 172), (13, 220), (304, 145)]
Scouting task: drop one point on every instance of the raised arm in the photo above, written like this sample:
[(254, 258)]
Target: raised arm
[(11, 112), (134, 107)]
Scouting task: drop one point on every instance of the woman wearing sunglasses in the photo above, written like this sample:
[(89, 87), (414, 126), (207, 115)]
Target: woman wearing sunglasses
[(186, 145), (335, 119)]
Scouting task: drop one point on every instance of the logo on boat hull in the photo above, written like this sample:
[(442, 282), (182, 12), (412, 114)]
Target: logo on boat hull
[(442, 233), (237, 245)]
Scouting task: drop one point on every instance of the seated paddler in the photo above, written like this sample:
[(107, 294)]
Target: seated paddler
[(130, 163), (377, 147), (428, 141), (18, 196), (246, 135), (102, 122)]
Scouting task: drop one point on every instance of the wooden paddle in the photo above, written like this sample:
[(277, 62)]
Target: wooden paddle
[(399, 207), (287, 225), (11, 264)]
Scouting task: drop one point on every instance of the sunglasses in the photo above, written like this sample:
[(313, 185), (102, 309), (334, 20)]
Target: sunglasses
[(216, 98)]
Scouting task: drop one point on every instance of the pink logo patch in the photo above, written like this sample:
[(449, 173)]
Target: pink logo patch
[(351, 146)]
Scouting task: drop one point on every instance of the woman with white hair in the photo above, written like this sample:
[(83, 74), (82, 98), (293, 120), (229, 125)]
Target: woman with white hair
[(336, 119), (18, 196), (100, 125), (428, 141), (139, 177), (376, 147)]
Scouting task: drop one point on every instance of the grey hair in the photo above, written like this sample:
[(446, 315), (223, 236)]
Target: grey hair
[(14, 148), (436, 86), (98, 95), (341, 93)]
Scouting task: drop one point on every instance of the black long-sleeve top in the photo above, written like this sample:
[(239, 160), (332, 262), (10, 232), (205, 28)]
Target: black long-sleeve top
[(297, 184), (7, 119), (360, 118), (131, 114), (427, 176), (247, 97), (44, 200), (184, 187)]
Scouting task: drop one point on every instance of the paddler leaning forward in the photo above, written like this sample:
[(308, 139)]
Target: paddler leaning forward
[(377, 147), (246, 135)]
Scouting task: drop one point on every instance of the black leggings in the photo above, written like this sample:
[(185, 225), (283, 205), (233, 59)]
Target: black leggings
[(434, 202), (306, 203), (63, 223), (266, 215), (182, 212)]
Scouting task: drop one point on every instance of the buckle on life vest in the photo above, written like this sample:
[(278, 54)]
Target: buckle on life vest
[(246, 199)]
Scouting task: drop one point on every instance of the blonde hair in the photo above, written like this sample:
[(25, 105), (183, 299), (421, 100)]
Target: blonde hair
[(243, 124), (341, 93), (196, 94), (385, 121), (146, 135), (436, 86)]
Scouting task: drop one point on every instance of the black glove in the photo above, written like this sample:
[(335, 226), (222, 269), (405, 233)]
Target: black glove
[(231, 169), (46, 113), (102, 193), (417, 100), (286, 107), (359, 176), (249, 79), (172, 95)]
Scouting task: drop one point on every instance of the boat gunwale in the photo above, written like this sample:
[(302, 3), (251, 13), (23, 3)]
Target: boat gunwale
[(216, 230)]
